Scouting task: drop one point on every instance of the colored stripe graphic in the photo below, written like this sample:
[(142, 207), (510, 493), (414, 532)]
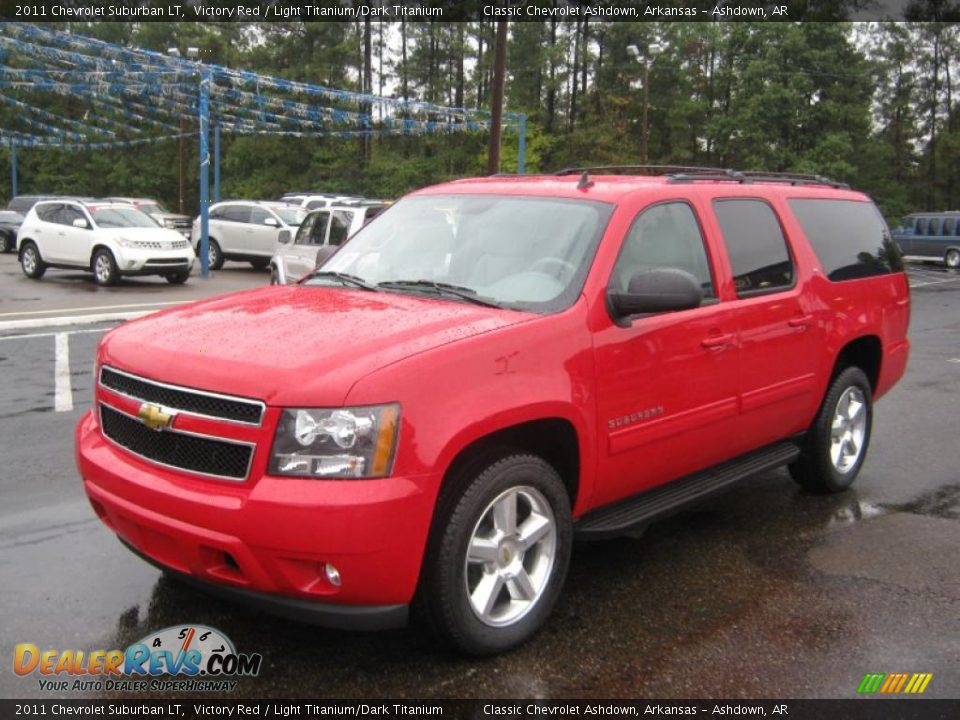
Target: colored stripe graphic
[(894, 683)]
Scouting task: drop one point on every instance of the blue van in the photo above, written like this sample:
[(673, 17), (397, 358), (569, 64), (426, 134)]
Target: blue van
[(930, 236)]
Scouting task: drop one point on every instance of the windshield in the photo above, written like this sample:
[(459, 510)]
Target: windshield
[(526, 253), (10, 217), (121, 217), (151, 208), (290, 215)]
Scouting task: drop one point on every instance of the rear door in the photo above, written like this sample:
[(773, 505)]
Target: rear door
[(781, 329), (232, 228)]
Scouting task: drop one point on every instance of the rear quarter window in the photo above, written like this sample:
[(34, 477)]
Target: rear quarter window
[(850, 238)]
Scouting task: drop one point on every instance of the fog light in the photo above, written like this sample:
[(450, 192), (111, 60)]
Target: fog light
[(131, 263), (333, 575)]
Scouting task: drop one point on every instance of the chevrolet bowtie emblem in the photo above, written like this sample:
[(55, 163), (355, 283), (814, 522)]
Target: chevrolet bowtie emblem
[(154, 417)]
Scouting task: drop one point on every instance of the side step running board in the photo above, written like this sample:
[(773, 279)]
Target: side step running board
[(639, 510)]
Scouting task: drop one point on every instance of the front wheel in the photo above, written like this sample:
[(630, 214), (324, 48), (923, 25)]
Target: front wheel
[(952, 259), (214, 254), (31, 263), (105, 270), (499, 557), (836, 444)]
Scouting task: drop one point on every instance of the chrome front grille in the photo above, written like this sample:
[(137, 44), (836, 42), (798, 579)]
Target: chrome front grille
[(197, 402)]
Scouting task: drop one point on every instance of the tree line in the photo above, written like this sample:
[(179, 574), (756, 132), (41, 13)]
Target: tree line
[(873, 104)]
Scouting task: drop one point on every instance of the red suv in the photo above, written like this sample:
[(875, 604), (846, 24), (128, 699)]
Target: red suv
[(487, 370)]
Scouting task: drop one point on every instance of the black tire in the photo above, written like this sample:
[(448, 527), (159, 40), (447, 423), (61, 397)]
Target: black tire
[(260, 264), (820, 469), (104, 267), (214, 254), (952, 259), (445, 591), (6, 243), (178, 278), (31, 263)]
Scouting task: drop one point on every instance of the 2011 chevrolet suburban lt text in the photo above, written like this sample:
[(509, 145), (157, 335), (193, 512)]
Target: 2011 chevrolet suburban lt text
[(488, 369)]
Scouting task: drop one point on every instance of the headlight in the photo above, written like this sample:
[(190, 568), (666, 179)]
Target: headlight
[(336, 443), (169, 222)]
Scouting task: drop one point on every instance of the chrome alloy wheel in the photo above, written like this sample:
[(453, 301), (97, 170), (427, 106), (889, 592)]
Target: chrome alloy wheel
[(848, 429), (29, 260), (102, 269), (211, 255), (510, 556)]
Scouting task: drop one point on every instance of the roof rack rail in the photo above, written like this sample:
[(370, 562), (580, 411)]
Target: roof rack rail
[(638, 170), (693, 173), (751, 176)]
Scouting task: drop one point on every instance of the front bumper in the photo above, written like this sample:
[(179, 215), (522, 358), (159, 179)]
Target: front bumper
[(267, 541), (155, 262)]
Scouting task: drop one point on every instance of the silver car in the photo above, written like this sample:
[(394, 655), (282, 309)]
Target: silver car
[(247, 230), (319, 235)]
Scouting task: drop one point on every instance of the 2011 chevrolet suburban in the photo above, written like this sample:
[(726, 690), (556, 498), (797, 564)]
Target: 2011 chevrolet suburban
[(490, 369)]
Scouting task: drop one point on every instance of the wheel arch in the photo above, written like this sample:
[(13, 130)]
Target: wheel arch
[(864, 352), (101, 246)]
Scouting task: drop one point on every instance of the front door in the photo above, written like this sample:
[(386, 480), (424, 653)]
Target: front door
[(666, 383)]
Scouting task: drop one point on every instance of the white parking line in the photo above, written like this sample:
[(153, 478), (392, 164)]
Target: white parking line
[(52, 334), (63, 392)]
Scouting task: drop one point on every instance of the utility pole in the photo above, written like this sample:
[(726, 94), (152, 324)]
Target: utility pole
[(496, 115)]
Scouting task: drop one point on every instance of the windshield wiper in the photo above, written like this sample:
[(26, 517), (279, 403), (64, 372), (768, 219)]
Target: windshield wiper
[(345, 278), (457, 291)]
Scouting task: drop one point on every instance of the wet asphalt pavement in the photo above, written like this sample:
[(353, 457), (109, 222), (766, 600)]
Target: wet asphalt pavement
[(763, 592)]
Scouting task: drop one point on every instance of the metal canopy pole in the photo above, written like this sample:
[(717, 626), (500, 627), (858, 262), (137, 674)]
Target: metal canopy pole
[(522, 150), (216, 162), (205, 80), (13, 170)]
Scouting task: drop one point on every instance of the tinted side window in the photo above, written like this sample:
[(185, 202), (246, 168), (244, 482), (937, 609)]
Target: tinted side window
[(948, 225), (303, 232), (216, 213), (664, 236), (48, 213), (236, 213), (71, 213), (319, 234), (921, 228), (314, 204), (339, 227), (934, 227), (756, 246), (850, 238), (258, 215)]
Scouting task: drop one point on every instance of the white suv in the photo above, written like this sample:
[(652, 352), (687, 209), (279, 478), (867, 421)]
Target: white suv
[(108, 239), (320, 234), (246, 230)]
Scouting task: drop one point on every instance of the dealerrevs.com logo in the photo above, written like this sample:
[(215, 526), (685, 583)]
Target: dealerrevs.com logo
[(187, 658)]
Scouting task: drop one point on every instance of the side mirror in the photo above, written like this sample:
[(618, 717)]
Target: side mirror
[(271, 222), (81, 223), (655, 291), (284, 236)]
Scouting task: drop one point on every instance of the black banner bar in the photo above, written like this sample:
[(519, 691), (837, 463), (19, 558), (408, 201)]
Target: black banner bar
[(853, 709)]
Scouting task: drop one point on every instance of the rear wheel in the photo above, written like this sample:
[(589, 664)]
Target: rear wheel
[(952, 259), (105, 270), (31, 263), (499, 557), (836, 444)]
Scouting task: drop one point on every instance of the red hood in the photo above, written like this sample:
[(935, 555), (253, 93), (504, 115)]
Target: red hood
[(292, 345)]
